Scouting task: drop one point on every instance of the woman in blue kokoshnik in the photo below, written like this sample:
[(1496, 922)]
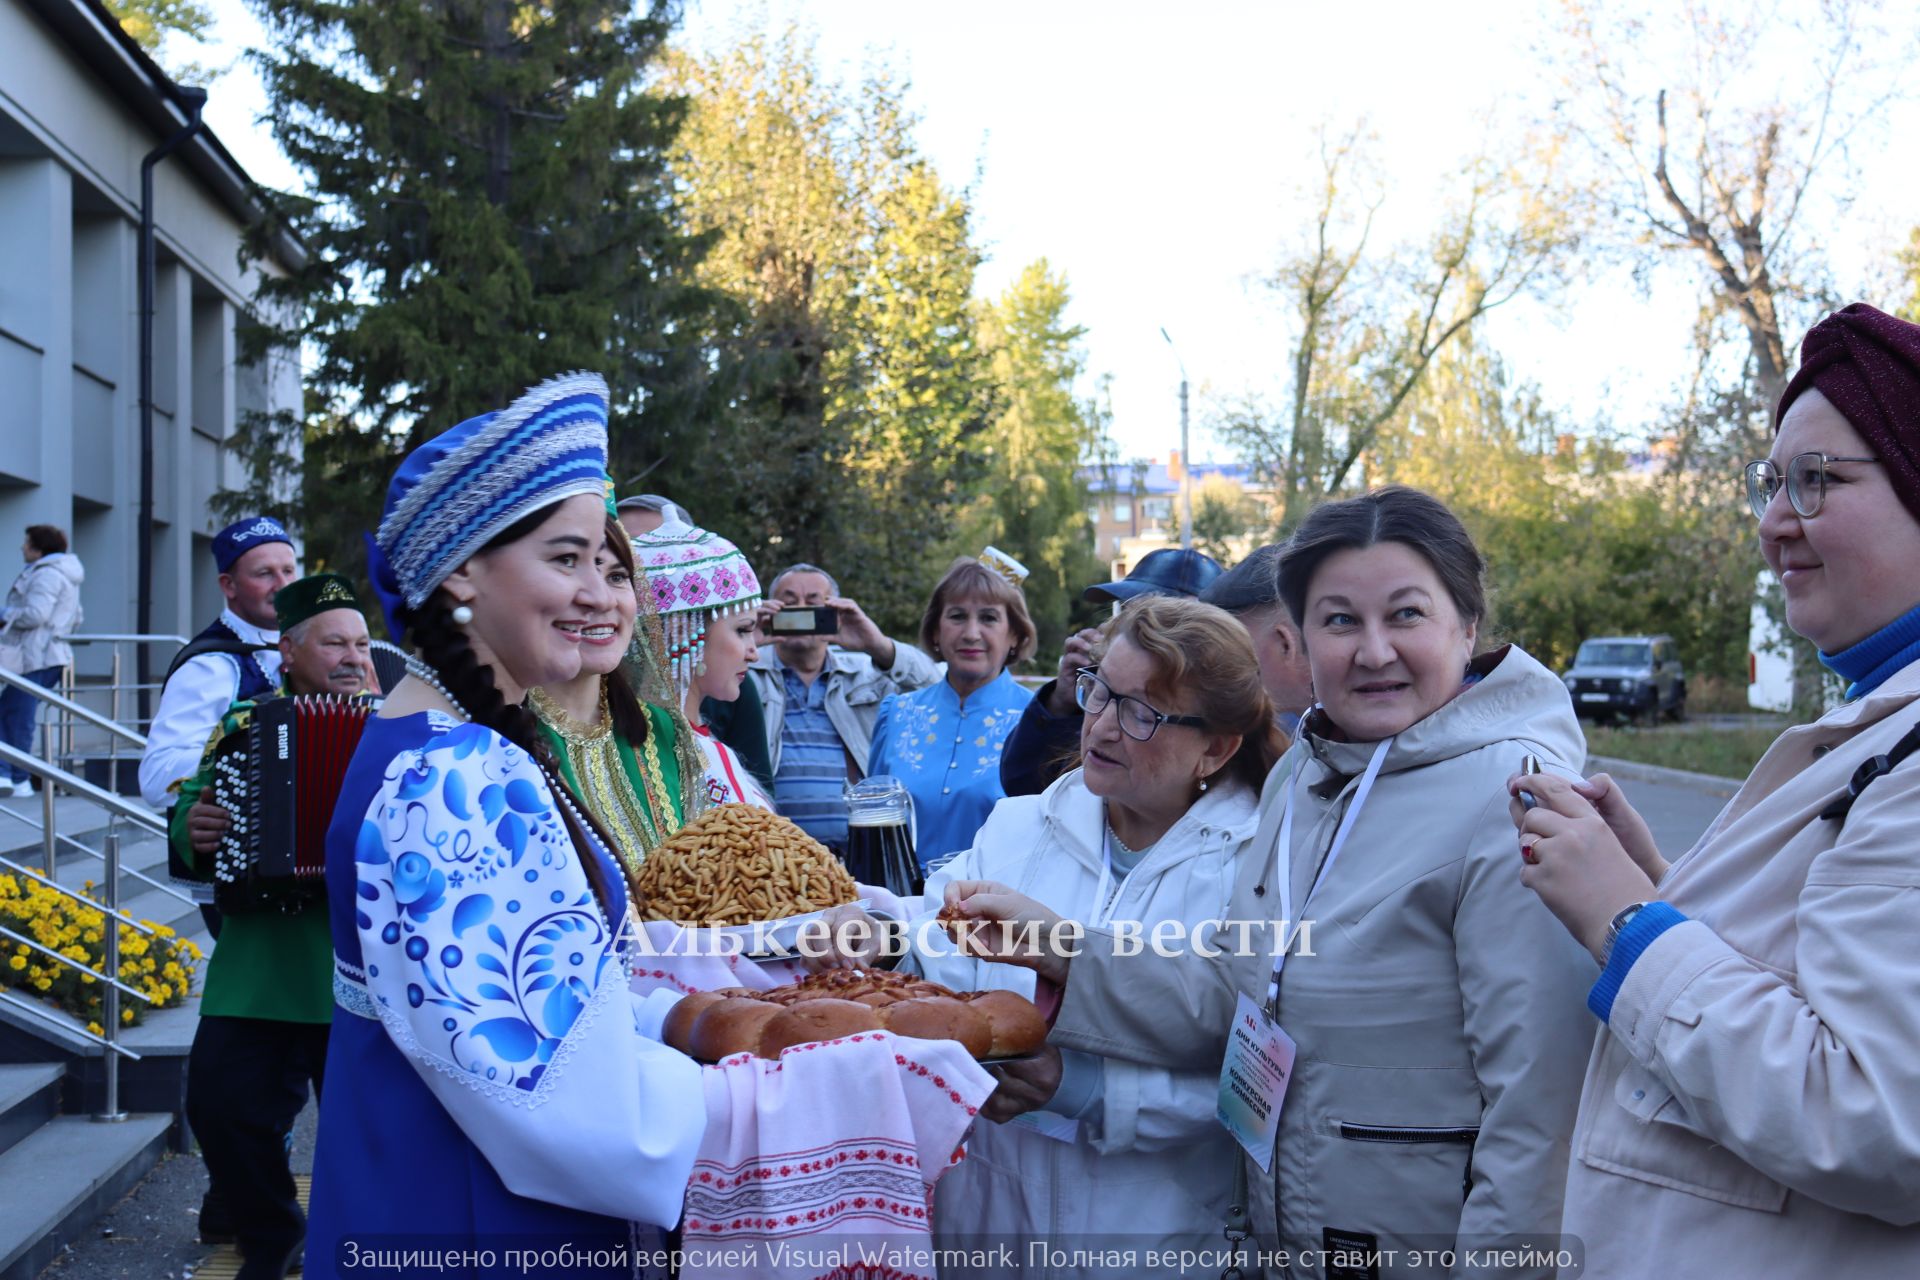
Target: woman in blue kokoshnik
[(498, 1086)]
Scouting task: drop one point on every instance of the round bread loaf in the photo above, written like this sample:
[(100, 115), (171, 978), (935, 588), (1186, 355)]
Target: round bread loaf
[(940, 1018), (1016, 1025), (813, 1020), (712, 1025), (677, 1030), (729, 1027)]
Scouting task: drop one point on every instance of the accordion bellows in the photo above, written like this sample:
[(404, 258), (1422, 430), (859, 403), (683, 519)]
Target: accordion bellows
[(279, 780)]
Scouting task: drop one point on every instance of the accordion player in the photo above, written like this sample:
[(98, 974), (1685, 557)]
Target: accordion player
[(278, 779)]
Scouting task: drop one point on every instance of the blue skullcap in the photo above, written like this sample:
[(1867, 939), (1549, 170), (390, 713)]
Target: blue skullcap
[(455, 493), (243, 536)]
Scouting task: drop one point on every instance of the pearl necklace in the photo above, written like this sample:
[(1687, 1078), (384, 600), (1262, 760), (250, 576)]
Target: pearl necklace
[(419, 670), (1120, 844)]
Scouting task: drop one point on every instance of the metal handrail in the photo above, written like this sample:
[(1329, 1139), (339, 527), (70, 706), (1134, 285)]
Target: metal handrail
[(55, 885), (57, 958), (155, 638), (91, 852), (35, 1009), (73, 708), (51, 775), (119, 806)]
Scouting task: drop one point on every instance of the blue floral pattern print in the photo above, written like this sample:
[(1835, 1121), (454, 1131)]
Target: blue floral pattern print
[(478, 928), (947, 750)]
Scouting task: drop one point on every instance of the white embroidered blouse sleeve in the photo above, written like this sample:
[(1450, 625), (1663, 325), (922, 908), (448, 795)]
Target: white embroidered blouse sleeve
[(190, 706), (493, 969)]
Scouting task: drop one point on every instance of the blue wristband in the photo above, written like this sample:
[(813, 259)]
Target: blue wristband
[(1653, 920)]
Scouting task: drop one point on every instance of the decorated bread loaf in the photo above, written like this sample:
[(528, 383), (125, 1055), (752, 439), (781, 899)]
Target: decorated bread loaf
[(712, 1025)]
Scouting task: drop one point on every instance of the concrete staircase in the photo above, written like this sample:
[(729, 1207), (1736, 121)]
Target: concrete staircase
[(62, 1170)]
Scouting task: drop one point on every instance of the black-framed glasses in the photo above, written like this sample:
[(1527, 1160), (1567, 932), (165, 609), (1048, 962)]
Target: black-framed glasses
[(1138, 720), (1805, 482)]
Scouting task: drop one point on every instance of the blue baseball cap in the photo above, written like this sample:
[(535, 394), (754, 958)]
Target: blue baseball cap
[(243, 536), (1166, 572)]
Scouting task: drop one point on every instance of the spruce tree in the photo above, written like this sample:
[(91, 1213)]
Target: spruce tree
[(486, 207)]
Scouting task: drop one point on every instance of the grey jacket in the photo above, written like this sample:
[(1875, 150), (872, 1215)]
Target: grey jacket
[(43, 608), (855, 688), (1439, 1018)]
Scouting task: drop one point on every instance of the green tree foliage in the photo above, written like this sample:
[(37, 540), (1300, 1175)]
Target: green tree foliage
[(487, 208), (152, 22), (1032, 500), (1225, 520), (856, 391), (1580, 538), (1372, 320)]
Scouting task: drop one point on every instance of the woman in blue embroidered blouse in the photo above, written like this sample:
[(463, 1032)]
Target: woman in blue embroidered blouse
[(944, 741), (494, 1079)]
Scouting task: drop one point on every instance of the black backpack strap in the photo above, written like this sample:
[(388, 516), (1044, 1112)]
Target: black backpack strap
[(214, 644), (1868, 771)]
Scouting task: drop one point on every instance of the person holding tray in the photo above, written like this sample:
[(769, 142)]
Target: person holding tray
[(494, 1086)]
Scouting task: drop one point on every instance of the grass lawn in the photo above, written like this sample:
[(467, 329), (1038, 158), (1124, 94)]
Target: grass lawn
[(1725, 753)]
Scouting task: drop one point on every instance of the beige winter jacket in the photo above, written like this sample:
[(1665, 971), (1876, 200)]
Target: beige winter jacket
[(1753, 1107), (1439, 1017)]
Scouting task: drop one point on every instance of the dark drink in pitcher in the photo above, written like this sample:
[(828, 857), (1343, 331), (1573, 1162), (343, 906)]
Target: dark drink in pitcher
[(880, 836)]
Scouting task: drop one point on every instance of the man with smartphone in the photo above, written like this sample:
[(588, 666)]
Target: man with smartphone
[(821, 682)]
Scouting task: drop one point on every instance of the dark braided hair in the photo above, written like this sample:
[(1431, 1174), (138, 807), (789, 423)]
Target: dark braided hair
[(442, 645)]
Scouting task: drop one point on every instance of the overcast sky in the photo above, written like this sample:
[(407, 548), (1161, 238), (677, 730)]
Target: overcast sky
[(1157, 153)]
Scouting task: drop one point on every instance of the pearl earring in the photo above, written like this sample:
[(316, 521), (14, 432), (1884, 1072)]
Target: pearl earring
[(462, 615), (1203, 784), (700, 668)]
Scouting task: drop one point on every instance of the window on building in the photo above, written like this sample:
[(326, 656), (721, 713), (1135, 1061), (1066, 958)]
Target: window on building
[(1123, 509), (1156, 509), (1093, 512)]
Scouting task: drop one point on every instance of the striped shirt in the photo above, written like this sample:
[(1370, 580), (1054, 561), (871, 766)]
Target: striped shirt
[(809, 787)]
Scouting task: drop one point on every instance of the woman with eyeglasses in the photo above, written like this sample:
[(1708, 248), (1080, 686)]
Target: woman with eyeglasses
[(1752, 1105), (1151, 829), (1430, 1001)]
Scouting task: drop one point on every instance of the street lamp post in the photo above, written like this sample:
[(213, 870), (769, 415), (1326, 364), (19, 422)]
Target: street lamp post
[(1186, 457)]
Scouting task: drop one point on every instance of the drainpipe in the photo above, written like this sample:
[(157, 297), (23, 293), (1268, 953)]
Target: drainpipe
[(193, 100)]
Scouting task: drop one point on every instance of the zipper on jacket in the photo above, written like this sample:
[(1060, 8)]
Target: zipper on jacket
[(1401, 1133)]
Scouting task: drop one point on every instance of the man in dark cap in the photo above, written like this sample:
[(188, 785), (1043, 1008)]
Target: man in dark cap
[(1042, 743), (233, 657), (268, 997), (1250, 591)]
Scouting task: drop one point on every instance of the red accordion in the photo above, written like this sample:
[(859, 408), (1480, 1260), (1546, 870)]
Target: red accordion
[(279, 779)]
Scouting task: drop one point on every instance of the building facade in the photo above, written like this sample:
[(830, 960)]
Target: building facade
[(80, 106)]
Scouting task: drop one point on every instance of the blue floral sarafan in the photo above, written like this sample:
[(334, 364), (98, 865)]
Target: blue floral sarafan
[(487, 1080)]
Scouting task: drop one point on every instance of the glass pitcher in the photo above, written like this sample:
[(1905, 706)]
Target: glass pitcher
[(880, 836)]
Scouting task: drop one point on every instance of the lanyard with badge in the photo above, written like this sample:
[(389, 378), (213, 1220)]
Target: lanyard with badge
[(1259, 1061)]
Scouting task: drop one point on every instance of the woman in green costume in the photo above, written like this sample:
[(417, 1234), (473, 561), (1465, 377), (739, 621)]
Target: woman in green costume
[(616, 729)]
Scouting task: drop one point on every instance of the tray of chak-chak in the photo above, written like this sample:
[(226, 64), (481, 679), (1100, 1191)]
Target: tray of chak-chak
[(994, 1026), (739, 869)]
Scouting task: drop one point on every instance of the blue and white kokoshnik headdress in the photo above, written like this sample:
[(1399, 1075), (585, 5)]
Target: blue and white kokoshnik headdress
[(455, 493)]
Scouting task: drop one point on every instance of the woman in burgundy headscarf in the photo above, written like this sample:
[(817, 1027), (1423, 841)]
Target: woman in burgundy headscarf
[(1752, 1106)]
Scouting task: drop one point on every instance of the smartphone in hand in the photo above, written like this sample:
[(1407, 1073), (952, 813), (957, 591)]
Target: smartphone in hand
[(806, 620), (1529, 763)]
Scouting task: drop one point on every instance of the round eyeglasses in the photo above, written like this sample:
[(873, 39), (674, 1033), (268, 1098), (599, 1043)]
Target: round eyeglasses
[(1138, 720), (1805, 482)]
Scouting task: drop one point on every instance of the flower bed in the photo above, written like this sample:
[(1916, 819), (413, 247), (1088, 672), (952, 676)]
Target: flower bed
[(160, 966)]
